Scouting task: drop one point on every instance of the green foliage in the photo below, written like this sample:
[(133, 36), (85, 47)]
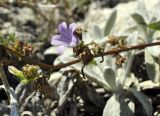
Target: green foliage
[(21, 75), (155, 25), (9, 38)]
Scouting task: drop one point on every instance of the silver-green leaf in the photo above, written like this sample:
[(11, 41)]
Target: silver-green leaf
[(140, 21), (143, 100), (116, 106), (152, 67), (110, 23), (110, 77)]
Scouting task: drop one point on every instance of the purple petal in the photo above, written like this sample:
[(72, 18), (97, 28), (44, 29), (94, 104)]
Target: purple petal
[(64, 30), (61, 49), (72, 27), (74, 41), (58, 40), (72, 44)]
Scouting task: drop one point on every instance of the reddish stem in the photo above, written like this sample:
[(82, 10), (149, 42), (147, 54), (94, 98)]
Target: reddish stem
[(114, 51)]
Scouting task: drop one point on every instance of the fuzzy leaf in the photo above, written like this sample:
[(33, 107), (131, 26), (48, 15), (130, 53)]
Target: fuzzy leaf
[(120, 78), (116, 106), (110, 23), (97, 32), (155, 50), (110, 77), (140, 21), (143, 100), (51, 50), (131, 40), (142, 9), (152, 67), (92, 72)]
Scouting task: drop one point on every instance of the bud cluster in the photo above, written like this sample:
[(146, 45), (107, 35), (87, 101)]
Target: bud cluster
[(4, 56), (117, 43), (85, 52), (30, 71), (20, 47)]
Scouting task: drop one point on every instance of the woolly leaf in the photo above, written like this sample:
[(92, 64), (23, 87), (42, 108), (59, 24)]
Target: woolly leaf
[(116, 106), (110, 23), (110, 77), (152, 67), (143, 100)]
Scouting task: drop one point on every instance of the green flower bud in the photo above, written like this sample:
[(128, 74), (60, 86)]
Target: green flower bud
[(28, 74), (30, 71), (13, 70)]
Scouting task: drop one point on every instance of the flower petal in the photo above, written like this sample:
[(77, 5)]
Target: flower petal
[(72, 44), (64, 31), (58, 40), (74, 41), (72, 27), (61, 49)]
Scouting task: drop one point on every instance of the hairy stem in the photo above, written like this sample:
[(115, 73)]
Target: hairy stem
[(4, 80), (10, 93)]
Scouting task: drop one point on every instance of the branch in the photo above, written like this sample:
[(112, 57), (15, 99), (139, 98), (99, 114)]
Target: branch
[(114, 51), (141, 46)]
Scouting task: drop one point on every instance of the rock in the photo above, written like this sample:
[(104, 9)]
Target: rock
[(24, 14)]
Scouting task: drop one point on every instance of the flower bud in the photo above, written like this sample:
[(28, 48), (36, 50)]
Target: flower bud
[(13, 70), (30, 71)]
